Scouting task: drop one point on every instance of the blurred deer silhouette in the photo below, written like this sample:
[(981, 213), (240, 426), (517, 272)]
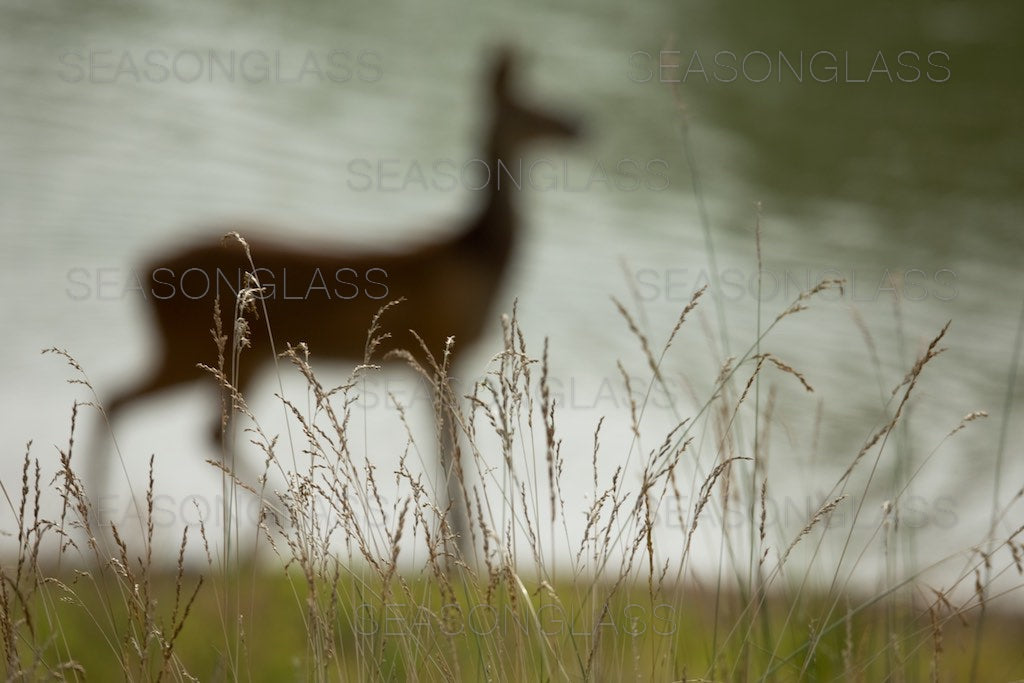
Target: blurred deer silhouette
[(449, 286)]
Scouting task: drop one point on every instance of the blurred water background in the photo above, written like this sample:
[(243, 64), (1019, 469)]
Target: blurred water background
[(123, 132)]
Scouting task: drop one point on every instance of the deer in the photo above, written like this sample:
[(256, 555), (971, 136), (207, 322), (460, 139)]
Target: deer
[(450, 286)]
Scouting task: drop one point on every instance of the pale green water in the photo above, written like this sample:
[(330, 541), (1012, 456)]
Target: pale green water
[(100, 167)]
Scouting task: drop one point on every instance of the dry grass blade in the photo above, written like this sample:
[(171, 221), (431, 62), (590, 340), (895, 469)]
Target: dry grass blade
[(823, 512)]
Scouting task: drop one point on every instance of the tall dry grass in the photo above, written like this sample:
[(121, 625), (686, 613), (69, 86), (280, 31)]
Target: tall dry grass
[(382, 588)]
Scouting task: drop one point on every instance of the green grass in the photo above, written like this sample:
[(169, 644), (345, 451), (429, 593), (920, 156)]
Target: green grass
[(405, 641)]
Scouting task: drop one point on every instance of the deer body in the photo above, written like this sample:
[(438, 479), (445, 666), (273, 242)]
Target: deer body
[(326, 299), (327, 296)]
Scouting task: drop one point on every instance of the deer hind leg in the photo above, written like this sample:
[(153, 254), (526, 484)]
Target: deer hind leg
[(169, 373), (223, 434)]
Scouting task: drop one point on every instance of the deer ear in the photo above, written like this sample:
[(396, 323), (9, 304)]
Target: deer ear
[(501, 71)]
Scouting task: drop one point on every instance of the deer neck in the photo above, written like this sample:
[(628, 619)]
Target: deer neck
[(492, 235)]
